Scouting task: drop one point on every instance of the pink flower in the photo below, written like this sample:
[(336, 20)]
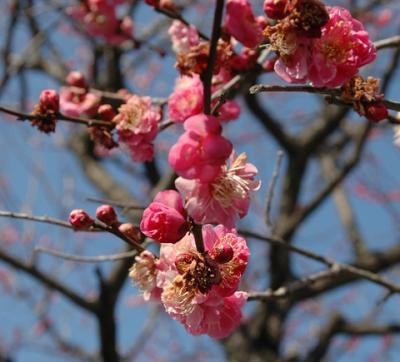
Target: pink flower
[(137, 126), (201, 150), (223, 199), (164, 219), (199, 273), (50, 100), (183, 37), (242, 24), (187, 98), (342, 49), (76, 99), (199, 289), (215, 316), (144, 275)]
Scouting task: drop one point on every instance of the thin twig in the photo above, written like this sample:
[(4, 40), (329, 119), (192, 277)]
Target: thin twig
[(59, 116), (362, 273), (271, 188), (125, 205), (85, 259), (391, 42)]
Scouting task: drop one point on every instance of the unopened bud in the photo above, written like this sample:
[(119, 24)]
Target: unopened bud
[(222, 254), (376, 111), (106, 112), (80, 220), (106, 214), (76, 79), (130, 231), (49, 101)]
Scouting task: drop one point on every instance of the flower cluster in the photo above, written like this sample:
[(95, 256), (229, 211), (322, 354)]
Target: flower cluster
[(99, 19), (324, 45), (197, 289)]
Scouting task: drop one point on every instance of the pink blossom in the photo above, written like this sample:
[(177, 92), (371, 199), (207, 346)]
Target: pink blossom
[(215, 316), (76, 100), (75, 104), (50, 100), (342, 49), (183, 37), (144, 274), (242, 24), (201, 150), (137, 126), (164, 219), (199, 290), (187, 98), (223, 199)]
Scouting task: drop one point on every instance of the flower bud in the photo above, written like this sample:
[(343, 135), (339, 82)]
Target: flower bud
[(222, 254), (76, 79), (80, 220), (49, 101), (106, 112), (163, 223), (130, 231), (376, 111), (106, 214)]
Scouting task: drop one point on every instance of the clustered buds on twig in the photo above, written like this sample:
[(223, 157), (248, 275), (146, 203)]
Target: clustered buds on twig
[(47, 109)]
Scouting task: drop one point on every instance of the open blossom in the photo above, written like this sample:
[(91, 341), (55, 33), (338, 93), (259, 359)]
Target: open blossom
[(99, 18), (241, 23), (223, 199), (75, 99), (192, 278), (144, 274), (187, 98), (342, 49), (201, 150), (164, 219), (187, 101), (215, 316), (183, 37), (137, 126)]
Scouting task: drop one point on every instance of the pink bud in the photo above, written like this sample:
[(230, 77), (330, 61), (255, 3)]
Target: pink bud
[(376, 111), (49, 100), (106, 214), (106, 112), (80, 220), (163, 223), (76, 79), (130, 231), (275, 9), (222, 254)]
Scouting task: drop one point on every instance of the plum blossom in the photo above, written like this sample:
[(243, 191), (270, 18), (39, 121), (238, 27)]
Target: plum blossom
[(144, 274), (183, 37), (187, 98), (99, 18), (201, 150), (223, 199), (137, 126), (164, 219), (344, 47), (187, 101), (241, 23), (48, 107), (191, 274), (75, 99)]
